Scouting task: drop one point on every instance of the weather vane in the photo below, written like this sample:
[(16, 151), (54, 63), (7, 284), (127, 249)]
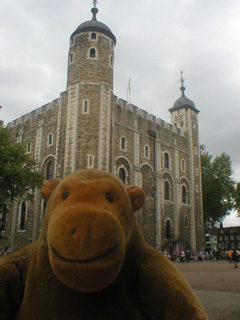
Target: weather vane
[(182, 80), (95, 2)]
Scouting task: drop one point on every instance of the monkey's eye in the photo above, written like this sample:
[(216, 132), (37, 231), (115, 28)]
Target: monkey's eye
[(65, 195), (109, 197)]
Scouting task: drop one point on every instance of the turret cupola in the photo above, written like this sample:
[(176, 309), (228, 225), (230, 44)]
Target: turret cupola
[(183, 101), (184, 112)]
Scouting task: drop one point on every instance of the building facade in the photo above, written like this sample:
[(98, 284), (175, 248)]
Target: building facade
[(89, 127), (223, 238)]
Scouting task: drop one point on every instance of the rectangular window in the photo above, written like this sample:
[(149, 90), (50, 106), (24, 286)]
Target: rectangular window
[(19, 139), (29, 148), (85, 107), (226, 237), (90, 161)]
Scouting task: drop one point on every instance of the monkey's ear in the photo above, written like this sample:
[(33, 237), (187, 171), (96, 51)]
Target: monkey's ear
[(136, 196), (48, 187)]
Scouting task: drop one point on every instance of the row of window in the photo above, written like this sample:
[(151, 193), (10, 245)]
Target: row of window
[(226, 245), (23, 217), (92, 54), (49, 143), (168, 228), (23, 214), (93, 36), (231, 237), (168, 195), (122, 174), (123, 147)]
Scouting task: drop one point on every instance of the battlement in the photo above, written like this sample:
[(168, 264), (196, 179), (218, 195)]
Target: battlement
[(148, 116), (33, 114)]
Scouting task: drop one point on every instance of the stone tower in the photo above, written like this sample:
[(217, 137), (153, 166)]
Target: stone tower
[(184, 116), (89, 127), (90, 94)]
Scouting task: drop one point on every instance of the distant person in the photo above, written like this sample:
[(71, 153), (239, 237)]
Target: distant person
[(182, 256), (188, 255), (235, 258), (217, 254), (229, 254), (5, 251), (214, 256)]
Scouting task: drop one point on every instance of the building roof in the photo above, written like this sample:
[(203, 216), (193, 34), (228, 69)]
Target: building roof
[(183, 102), (94, 25)]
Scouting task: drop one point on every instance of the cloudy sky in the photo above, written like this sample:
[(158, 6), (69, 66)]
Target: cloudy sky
[(155, 40)]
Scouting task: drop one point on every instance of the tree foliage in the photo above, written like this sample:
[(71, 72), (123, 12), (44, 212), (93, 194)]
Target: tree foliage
[(237, 199), (219, 192), (17, 174)]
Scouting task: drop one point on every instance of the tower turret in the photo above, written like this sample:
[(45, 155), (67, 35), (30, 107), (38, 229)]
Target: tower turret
[(91, 53), (184, 115), (179, 110), (90, 96)]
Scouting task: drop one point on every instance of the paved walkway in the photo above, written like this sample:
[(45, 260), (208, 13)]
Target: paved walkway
[(217, 284)]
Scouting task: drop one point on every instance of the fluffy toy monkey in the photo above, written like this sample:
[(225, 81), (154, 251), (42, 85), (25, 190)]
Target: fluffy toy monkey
[(91, 261)]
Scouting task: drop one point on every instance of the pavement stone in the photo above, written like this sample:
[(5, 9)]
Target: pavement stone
[(217, 285)]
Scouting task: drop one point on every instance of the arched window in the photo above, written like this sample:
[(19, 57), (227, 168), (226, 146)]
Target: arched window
[(92, 53), (122, 175), (184, 194), (166, 190), (22, 217), (93, 36), (49, 170), (168, 230), (166, 160)]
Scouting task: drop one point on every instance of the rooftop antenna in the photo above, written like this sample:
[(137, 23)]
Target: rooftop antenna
[(129, 91)]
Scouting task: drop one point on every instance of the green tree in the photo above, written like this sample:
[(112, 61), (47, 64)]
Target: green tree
[(237, 199), (219, 192), (17, 174)]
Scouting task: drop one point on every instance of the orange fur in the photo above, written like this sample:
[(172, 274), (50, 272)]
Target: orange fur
[(91, 261)]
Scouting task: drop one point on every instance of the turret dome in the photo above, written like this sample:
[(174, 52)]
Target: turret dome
[(94, 25), (183, 101)]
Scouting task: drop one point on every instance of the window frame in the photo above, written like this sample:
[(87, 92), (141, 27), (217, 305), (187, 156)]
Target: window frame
[(50, 140), (90, 54), (22, 216), (166, 159)]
